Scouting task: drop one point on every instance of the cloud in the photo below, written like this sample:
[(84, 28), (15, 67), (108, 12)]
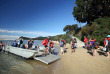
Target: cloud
[(37, 33), (8, 37)]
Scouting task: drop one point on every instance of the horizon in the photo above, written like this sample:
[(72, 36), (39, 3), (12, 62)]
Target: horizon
[(35, 18)]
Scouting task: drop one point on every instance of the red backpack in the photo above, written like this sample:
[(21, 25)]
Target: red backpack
[(43, 42)]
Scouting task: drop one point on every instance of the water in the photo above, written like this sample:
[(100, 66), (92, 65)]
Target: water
[(12, 64), (10, 42)]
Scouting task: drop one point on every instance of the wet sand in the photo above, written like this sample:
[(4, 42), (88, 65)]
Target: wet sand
[(82, 62)]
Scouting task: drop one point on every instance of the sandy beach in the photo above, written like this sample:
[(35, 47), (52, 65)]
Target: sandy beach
[(82, 62)]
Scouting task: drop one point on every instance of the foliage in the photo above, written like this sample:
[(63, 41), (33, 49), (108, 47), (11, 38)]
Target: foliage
[(89, 10), (72, 29), (99, 29)]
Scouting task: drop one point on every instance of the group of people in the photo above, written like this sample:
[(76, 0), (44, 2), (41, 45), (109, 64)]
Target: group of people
[(62, 43), (92, 45), (18, 43), (49, 46)]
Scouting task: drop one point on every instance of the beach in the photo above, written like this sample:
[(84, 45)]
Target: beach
[(82, 62)]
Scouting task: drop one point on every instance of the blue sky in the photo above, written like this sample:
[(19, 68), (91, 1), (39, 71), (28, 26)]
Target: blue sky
[(33, 18)]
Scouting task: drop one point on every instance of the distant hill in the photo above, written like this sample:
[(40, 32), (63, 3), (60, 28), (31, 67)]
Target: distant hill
[(25, 38), (36, 38)]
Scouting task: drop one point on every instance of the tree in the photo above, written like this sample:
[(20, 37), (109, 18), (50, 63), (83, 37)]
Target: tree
[(70, 28), (89, 10)]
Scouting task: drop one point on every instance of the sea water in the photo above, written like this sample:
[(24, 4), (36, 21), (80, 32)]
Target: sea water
[(12, 64)]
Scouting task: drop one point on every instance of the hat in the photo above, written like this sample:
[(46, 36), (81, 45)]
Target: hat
[(108, 36)]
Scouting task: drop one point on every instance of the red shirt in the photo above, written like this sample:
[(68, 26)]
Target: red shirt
[(85, 40)]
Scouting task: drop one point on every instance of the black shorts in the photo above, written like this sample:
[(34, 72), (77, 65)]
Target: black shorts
[(107, 49), (0, 50), (46, 46), (93, 47)]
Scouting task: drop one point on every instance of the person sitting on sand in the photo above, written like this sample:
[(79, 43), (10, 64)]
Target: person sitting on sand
[(45, 43)]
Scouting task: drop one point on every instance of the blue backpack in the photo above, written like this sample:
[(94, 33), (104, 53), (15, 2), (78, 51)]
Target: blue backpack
[(61, 44)]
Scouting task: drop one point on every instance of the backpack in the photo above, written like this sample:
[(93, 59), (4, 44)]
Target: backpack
[(43, 42), (108, 43), (96, 45), (61, 44)]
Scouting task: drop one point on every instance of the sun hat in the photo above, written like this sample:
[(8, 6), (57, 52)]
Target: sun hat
[(108, 36)]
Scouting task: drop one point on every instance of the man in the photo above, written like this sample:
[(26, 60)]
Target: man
[(45, 43), (85, 41), (30, 43)]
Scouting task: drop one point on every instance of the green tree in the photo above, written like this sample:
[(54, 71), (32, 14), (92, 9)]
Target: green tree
[(71, 28), (89, 10)]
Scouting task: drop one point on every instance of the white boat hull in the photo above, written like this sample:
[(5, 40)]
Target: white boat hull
[(25, 53)]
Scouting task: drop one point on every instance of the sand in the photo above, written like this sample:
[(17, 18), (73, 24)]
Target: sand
[(82, 62)]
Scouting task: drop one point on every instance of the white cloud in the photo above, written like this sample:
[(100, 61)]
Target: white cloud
[(8, 37), (37, 33)]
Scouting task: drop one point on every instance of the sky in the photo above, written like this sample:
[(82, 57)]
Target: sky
[(33, 18)]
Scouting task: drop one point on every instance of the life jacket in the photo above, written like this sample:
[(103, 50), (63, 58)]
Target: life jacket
[(96, 45), (51, 44)]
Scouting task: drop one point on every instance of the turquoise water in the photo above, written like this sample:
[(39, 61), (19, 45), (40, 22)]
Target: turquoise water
[(12, 64)]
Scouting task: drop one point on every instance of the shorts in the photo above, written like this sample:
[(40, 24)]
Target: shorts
[(0, 50), (93, 47), (107, 49), (46, 46)]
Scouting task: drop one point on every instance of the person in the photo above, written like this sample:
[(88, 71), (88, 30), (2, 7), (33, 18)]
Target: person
[(18, 42), (30, 43), (107, 45), (92, 43), (1, 46), (73, 45), (85, 41), (21, 43), (63, 46), (45, 43), (51, 47), (15, 43)]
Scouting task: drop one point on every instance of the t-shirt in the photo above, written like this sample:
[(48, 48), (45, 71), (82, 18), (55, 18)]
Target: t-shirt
[(85, 40)]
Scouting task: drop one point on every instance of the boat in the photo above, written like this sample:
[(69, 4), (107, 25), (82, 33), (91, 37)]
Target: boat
[(35, 54), (25, 53), (48, 59)]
